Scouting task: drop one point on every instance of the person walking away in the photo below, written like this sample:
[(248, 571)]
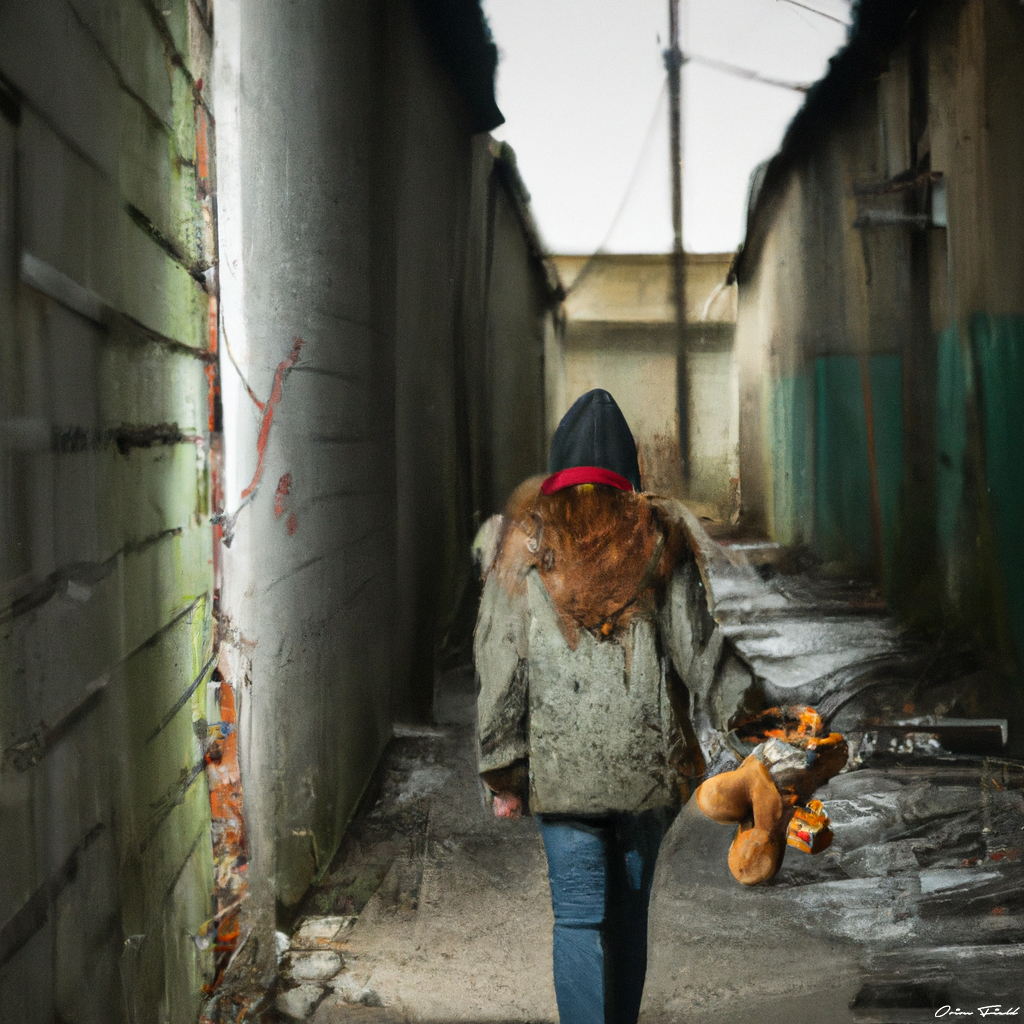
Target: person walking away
[(582, 722)]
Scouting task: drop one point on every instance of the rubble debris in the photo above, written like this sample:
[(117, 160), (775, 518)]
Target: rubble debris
[(311, 965), (931, 736), (299, 1002), (351, 990), (322, 933)]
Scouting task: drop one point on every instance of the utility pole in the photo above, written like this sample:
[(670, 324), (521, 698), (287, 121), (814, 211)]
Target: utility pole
[(674, 64)]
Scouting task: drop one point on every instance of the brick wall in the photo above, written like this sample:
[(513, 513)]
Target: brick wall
[(106, 636)]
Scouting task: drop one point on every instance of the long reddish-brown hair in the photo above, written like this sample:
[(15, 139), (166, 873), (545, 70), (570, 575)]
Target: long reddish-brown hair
[(604, 554)]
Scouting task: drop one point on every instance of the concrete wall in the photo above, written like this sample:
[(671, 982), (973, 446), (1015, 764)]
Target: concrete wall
[(621, 336), (477, 307), (310, 530), (161, 607), (106, 617), (431, 167), (359, 248), (521, 332), (512, 331), (879, 354)]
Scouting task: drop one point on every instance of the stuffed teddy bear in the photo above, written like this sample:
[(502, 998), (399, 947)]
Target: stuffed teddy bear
[(767, 796)]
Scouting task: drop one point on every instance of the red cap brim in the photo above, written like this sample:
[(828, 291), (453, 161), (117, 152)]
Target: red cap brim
[(584, 475)]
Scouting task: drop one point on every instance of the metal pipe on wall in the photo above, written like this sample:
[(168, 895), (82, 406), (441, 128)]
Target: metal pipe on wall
[(673, 64)]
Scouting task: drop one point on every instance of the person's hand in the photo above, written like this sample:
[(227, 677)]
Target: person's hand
[(507, 805)]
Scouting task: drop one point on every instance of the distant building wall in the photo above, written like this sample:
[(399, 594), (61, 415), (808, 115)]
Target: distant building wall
[(880, 319), (621, 336), (106, 552)]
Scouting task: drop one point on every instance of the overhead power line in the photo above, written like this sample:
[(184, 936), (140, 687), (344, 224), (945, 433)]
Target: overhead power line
[(750, 76), (717, 65), (634, 178), (814, 10)]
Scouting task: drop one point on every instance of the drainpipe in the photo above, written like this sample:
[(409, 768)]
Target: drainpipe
[(673, 64)]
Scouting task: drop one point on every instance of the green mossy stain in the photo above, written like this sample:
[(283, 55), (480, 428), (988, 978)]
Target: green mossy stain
[(842, 491), (998, 343), (887, 414), (790, 404)]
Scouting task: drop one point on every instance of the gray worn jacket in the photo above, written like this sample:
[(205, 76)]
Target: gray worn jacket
[(597, 715)]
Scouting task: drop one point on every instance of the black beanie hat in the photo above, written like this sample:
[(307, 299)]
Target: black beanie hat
[(595, 433)]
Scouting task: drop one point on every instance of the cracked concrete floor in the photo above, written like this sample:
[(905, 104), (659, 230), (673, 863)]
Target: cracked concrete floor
[(433, 910)]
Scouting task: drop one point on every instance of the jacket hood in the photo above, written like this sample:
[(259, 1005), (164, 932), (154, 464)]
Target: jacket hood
[(595, 433)]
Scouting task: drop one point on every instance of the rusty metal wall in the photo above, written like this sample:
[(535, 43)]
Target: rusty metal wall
[(106, 615)]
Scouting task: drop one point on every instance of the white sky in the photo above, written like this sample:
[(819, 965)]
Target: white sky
[(579, 84)]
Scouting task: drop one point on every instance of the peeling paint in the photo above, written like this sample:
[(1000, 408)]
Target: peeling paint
[(267, 408), (268, 414), (284, 486)]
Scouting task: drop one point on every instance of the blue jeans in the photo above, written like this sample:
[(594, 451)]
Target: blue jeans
[(601, 870)]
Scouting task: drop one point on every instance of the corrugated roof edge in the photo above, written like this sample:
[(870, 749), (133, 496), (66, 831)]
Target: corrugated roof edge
[(461, 39), (878, 26)]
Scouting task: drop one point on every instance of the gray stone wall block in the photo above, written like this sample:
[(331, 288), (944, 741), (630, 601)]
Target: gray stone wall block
[(146, 383), (169, 484), (163, 578), (186, 909), (156, 677), (61, 652), (88, 939), (128, 39), (19, 878), (158, 179)]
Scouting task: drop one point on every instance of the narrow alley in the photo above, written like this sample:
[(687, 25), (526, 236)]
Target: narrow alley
[(282, 329)]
